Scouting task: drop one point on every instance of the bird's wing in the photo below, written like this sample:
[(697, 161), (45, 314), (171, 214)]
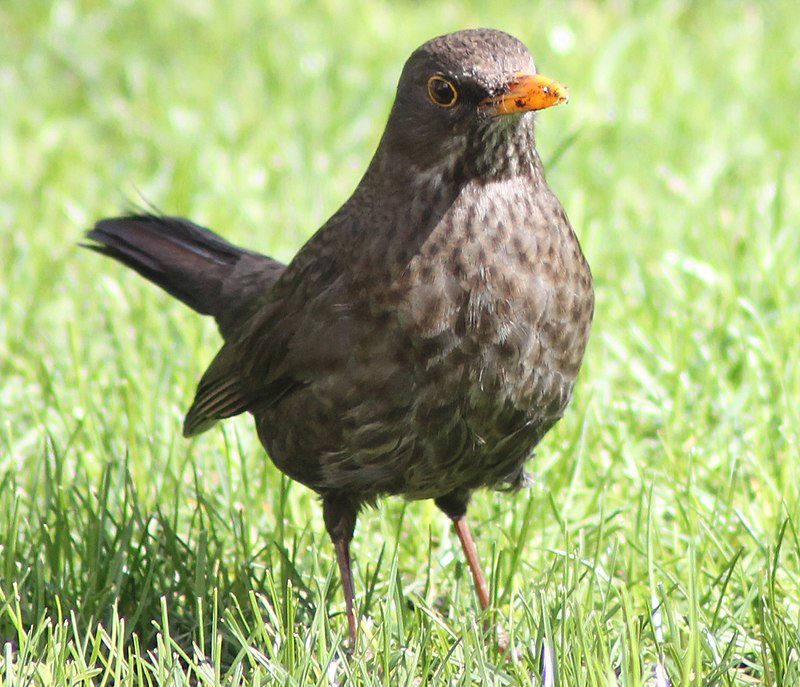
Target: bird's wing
[(223, 392), (243, 376), (290, 340)]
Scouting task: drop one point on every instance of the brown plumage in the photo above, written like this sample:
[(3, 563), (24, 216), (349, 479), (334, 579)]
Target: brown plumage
[(429, 334)]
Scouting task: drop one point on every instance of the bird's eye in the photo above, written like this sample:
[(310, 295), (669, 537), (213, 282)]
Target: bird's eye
[(442, 92)]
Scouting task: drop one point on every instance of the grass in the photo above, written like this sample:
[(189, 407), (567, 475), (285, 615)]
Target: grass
[(662, 537)]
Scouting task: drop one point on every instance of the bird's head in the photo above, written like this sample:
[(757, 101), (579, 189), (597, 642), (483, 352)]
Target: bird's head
[(467, 95)]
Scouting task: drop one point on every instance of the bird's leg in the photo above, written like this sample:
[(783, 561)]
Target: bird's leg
[(454, 506), (340, 521), (342, 547), (465, 536)]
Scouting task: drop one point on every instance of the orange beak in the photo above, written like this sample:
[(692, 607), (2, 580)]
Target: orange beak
[(527, 92)]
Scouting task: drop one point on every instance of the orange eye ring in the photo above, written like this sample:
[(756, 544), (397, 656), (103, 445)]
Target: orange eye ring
[(441, 91)]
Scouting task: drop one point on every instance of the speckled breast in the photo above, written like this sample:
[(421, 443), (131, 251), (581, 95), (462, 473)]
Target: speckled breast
[(498, 306)]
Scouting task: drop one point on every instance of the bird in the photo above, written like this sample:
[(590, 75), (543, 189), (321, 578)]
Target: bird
[(429, 334)]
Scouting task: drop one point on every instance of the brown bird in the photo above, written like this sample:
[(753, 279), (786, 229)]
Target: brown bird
[(426, 338)]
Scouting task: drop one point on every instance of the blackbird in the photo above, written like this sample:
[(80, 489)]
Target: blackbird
[(426, 338)]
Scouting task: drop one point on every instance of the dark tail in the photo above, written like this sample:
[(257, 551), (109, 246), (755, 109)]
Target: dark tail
[(193, 264)]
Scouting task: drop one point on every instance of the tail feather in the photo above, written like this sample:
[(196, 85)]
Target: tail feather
[(190, 262)]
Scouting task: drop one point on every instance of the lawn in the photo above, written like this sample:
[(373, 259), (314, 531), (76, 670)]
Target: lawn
[(660, 543)]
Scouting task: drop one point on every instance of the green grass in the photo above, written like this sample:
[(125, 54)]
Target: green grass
[(664, 527)]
